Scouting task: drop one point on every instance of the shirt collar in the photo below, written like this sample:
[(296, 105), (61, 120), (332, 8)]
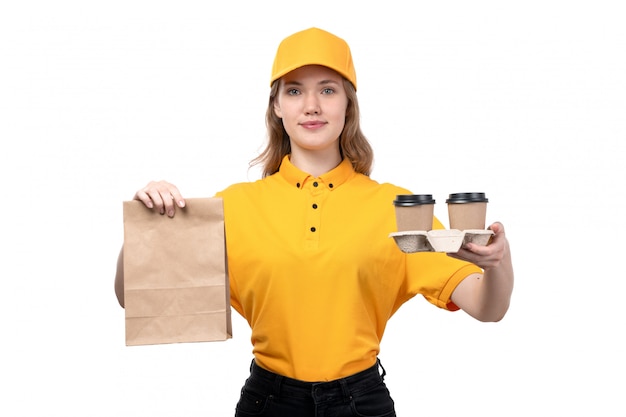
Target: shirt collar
[(333, 178)]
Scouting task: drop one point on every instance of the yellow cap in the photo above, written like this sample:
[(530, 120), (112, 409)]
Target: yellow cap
[(313, 47)]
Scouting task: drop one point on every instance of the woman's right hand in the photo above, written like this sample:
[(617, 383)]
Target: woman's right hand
[(162, 196)]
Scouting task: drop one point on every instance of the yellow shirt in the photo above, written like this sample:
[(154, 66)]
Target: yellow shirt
[(314, 272)]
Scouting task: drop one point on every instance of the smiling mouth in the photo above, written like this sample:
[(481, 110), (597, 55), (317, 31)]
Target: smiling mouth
[(312, 125)]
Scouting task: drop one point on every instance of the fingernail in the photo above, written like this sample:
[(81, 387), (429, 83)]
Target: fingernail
[(149, 204), (181, 203), (170, 213)]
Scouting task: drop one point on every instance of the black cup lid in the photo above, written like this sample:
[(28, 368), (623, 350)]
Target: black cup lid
[(467, 198), (406, 200)]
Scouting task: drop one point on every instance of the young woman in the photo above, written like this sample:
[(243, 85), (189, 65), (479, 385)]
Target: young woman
[(311, 266)]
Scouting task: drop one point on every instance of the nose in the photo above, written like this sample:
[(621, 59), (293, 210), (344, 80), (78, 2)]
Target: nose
[(312, 104)]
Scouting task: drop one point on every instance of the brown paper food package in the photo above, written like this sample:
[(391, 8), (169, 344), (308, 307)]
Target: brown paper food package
[(176, 285)]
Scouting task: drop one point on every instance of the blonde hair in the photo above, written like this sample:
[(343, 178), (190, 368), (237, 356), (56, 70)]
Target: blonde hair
[(353, 145)]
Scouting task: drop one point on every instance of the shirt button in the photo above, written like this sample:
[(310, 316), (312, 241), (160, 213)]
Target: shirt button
[(315, 184), (314, 206), (298, 185), (312, 229), (330, 185)]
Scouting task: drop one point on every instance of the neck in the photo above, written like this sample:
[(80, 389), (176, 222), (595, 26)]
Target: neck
[(315, 163)]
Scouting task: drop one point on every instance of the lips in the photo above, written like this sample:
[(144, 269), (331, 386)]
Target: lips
[(313, 124)]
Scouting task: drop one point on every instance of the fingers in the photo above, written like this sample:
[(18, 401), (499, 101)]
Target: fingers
[(496, 227), (162, 196), (485, 256)]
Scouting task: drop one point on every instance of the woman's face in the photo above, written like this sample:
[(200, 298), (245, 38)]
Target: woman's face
[(312, 102)]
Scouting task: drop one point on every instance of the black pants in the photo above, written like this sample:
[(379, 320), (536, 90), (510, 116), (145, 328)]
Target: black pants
[(266, 394)]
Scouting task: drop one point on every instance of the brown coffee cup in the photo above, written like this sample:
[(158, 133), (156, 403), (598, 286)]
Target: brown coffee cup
[(467, 211), (414, 212)]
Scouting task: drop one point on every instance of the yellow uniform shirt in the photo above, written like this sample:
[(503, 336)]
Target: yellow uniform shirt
[(316, 275)]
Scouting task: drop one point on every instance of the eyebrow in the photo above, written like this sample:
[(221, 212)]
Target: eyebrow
[(323, 82)]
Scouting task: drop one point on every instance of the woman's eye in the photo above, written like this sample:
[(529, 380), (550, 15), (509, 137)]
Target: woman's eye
[(328, 91), (293, 91)]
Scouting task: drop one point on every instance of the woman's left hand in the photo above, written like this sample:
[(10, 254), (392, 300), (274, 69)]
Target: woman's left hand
[(486, 257)]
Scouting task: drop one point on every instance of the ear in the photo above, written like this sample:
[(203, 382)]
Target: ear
[(277, 110)]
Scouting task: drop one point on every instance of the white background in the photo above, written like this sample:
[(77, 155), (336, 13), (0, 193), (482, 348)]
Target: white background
[(525, 101)]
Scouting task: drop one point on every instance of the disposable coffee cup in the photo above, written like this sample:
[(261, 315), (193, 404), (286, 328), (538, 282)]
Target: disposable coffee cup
[(467, 211), (414, 212)]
